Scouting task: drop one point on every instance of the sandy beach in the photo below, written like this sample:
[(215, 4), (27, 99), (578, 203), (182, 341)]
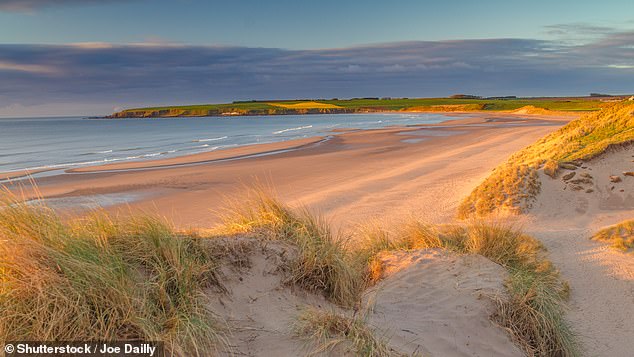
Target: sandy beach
[(350, 177)]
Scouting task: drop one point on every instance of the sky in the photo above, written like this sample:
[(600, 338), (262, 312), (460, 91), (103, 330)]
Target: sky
[(92, 57)]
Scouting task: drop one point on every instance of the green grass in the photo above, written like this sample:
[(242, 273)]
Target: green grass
[(330, 330), (103, 279), (361, 105), (533, 310), (513, 185), (621, 236), (487, 104)]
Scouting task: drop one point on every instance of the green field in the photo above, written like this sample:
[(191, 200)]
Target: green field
[(569, 104)]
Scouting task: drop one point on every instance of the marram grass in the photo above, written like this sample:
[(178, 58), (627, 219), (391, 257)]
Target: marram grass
[(322, 263), (102, 279), (330, 330), (621, 236)]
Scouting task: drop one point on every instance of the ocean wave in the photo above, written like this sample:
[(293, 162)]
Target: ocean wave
[(293, 129), (97, 162), (210, 139)]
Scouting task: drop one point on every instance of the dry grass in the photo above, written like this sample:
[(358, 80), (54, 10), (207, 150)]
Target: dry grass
[(534, 308), (102, 279), (330, 330), (513, 186), (323, 263), (621, 236)]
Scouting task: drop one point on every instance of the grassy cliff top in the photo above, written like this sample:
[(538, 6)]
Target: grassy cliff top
[(514, 184), (367, 104)]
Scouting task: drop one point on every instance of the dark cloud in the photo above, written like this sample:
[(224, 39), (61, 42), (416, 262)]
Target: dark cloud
[(178, 74), (28, 5)]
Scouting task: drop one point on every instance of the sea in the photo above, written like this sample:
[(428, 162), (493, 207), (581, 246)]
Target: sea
[(68, 142)]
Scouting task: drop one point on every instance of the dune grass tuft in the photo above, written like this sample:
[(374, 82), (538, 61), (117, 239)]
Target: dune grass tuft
[(102, 279), (621, 236), (330, 329), (513, 186), (323, 262), (534, 308)]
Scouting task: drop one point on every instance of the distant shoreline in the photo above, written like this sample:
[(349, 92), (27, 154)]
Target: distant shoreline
[(553, 105)]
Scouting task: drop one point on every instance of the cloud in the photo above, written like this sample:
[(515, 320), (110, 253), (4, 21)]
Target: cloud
[(28, 68), (148, 74), (579, 28), (29, 5)]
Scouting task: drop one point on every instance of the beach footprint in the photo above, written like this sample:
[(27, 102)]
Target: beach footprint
[(581, 206)]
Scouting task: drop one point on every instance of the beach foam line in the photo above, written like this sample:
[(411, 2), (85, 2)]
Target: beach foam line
[(93, 162), (293, 129), (210, 139), (206, 147)]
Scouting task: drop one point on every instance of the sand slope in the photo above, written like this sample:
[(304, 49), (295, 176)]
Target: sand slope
[(258, 309), (601, 279)]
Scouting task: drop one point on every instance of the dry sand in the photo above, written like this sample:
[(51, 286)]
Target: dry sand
[(258, 308), (436, 303), (601, 279)]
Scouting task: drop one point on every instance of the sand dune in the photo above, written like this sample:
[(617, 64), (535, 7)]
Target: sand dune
[(430, 303), (438, 304)]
